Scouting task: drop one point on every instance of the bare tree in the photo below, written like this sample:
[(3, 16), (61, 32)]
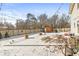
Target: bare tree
[(20, 24), (43, 20), (64, 21), (31, 21), (9, 26), (53, 20)]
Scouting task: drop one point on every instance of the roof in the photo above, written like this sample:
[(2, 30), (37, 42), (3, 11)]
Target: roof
[(71, 7), (4, 27)]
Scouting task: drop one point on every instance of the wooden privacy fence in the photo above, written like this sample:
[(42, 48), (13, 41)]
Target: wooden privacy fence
[(20, 32), (17, 32), (62, 29)]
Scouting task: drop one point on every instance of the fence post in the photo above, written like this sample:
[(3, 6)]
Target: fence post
[(65, 49), (65, 46)]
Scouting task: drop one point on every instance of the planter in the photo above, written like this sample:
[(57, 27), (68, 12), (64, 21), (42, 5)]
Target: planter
[(26, 36), (40, 33)]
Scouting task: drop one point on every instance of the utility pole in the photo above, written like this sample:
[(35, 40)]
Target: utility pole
[(18, 25), (3, 19), (0, 12)]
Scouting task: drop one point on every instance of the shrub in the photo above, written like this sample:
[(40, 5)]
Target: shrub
[(6, 35), (0, 36)]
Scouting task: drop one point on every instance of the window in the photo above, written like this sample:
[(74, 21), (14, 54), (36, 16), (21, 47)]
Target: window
[(78, 5)]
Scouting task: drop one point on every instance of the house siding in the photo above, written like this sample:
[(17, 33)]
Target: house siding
[(74, 18)]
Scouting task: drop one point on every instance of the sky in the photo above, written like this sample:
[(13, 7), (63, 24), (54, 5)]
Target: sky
[(13, 11)]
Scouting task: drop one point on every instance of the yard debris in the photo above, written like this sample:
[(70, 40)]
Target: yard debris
[(46, 39), (47, 46), (56, 39)]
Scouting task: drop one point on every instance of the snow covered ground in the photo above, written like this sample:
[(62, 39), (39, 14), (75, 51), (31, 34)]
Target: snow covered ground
[(18, 46)]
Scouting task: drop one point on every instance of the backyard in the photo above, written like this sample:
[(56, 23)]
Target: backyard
[(35, 45)]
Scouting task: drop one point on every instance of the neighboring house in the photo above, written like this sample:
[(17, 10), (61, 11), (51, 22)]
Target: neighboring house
[(48, 28), (3, 27), (74, 14)]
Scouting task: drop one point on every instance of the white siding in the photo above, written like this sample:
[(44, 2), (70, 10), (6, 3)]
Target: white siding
[(74, 19)]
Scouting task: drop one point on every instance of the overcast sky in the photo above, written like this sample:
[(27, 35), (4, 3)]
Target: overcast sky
[(20, 10)]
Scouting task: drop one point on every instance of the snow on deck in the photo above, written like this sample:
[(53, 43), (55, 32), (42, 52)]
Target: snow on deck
[(21, 48)]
